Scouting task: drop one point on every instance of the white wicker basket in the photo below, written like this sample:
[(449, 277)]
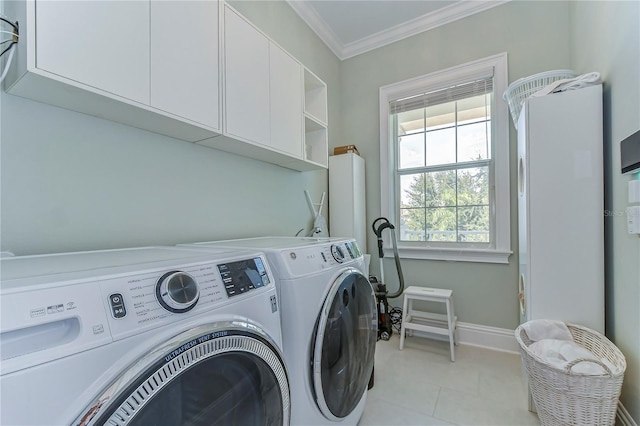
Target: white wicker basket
[(522, 88), (565, 398)]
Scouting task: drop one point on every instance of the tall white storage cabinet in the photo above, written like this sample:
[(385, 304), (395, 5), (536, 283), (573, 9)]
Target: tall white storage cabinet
[(560, 208), (347, 208)]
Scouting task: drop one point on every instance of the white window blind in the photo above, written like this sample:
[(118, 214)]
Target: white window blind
[(452, 93)]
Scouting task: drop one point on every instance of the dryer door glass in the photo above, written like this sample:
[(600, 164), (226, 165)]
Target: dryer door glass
[(345, 345), (221, 377)]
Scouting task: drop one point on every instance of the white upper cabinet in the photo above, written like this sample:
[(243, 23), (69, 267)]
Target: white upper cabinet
[(263, 94), (184, 59), (264, 100), (94, 57), (246, 81), (286, 102), (168, 66), (74, 42)]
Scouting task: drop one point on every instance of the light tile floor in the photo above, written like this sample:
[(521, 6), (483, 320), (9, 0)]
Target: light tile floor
[(421, 386)]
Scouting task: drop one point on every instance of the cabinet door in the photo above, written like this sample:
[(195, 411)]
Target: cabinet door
[(285, 74), (184, 59), (103, 44), (246, 62)]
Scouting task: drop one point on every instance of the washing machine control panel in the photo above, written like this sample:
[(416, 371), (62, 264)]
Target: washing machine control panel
[(50, 316), (149, 299)]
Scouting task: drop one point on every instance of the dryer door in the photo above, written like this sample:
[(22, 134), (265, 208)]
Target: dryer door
[(224, 373), (344, 347)]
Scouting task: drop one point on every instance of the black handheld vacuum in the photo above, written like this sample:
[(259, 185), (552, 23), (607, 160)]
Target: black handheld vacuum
[(382, 294)]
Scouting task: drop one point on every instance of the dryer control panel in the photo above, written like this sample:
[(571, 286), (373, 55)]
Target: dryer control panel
[(311, 259)]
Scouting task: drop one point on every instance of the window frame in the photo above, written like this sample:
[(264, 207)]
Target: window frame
[(500, 250)]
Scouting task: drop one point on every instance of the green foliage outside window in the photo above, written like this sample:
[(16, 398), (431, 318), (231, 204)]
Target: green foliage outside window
[(450, 205)]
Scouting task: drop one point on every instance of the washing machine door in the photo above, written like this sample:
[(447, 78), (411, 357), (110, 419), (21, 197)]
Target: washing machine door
[(217, 374), (344, 346)]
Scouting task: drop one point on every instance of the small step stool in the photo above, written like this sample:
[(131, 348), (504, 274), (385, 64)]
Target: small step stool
[(429, 322)]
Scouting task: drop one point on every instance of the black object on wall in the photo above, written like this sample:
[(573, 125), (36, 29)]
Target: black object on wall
[(630, 153)]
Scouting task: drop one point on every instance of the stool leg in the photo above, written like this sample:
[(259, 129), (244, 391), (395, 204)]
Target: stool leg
[(451, 325), (455, 326), (409, 331), (402, 324)]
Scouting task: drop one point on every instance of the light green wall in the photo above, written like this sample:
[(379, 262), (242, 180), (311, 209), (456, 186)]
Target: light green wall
[(606, 38), (484, 294), (74, 182)]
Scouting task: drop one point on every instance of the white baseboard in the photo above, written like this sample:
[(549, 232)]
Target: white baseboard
[(499, 339), (624, 417)]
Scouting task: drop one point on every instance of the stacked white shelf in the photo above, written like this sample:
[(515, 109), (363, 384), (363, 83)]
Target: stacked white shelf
[(315, 119)]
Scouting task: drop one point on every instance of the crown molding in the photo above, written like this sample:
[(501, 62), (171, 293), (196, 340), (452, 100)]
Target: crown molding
[(318, 25), (401, 31)]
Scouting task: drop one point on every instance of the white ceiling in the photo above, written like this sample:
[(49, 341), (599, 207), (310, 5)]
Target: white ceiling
[(352, 27)]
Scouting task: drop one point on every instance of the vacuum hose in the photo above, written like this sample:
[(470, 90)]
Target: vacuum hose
[(378, 231)]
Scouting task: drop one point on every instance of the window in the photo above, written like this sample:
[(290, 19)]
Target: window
[(444, 152)]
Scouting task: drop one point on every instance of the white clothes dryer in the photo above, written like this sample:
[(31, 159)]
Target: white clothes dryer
[(329, 324), (146, 336)]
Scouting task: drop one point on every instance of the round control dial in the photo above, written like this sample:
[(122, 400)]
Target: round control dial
[(337, 253), (177, 291)]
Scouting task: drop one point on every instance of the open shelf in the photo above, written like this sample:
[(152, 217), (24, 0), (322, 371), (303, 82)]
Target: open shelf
[(315, 97), (316, 147)]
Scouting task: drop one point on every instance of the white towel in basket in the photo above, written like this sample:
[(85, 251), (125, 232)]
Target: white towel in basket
[(546, 329), (559, 353)]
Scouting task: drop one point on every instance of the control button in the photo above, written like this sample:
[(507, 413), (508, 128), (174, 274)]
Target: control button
[(177, 291), (337, 253), (117, 306), (265, 278)]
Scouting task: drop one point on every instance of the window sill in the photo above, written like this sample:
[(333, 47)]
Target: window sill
[(455, 255)]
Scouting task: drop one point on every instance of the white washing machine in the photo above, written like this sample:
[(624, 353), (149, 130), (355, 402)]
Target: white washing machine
[(147, 336), (328, 324)]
